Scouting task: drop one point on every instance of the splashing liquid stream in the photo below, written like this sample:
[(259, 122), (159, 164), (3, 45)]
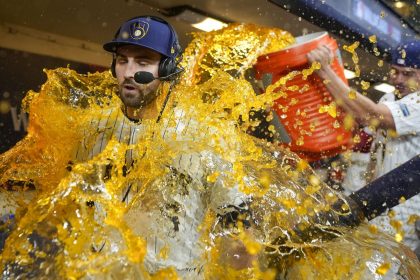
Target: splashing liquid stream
[(77, 224)]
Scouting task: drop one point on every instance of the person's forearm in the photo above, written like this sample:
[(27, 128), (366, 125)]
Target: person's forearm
[(359, 106)]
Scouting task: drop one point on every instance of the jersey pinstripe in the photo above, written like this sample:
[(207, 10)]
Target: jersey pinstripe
[(172, 224)]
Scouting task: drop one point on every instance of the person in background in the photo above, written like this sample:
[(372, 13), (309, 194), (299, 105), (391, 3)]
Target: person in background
[(395, 120)]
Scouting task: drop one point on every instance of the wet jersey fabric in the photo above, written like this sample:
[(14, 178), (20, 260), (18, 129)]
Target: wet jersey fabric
[(168, 220), (394, 151)]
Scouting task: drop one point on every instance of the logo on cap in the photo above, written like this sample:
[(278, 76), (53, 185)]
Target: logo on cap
[(139, 29)]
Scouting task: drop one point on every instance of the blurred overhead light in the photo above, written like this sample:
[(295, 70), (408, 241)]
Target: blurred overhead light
[(384, 87), (195, 17), (399, 4), (349, 74), (209, 24)]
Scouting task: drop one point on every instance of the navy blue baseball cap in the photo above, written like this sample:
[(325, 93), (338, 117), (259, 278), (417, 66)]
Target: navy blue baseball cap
[(145, 31), (407, 55)]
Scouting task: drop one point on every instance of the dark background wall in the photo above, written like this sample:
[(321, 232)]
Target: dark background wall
[(19, 72)]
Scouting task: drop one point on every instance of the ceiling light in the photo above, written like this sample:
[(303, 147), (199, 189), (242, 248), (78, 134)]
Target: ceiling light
[(349, 74), (209, 24), (195, 17), (399, 4), (384, 87)]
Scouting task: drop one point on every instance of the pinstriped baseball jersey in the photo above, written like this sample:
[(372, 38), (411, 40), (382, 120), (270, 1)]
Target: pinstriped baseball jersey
[(171, 223), (111, 124)]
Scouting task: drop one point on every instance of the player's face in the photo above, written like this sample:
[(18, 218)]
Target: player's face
[(405, 79), (129, 60)]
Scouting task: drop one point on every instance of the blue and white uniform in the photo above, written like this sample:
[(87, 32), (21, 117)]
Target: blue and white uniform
[(391, 152)]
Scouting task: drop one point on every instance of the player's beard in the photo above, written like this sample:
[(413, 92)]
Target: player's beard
[(136, 95)]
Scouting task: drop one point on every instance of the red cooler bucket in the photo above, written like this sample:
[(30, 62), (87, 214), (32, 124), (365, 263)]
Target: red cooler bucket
[(313, 135)]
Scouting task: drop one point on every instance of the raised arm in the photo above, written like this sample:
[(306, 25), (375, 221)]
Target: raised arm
[(363, 109)]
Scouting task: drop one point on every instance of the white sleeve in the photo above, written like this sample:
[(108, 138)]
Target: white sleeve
[(406, 114)]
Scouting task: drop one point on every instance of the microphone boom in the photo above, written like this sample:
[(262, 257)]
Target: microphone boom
[(143, 77)]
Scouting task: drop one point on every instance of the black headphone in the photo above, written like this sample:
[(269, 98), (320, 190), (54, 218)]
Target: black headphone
[(168, 66)]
